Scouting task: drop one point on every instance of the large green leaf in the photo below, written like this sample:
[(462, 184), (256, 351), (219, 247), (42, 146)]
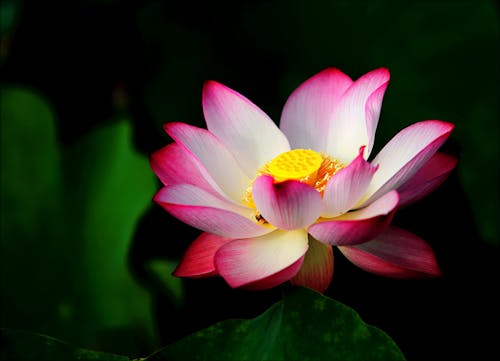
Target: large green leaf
[(305, 325), (26, 346), (109, 186)]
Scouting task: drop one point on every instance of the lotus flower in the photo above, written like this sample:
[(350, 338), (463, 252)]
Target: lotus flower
[(272, 201)]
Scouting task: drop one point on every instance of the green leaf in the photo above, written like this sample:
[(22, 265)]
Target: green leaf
[(109, 186), (32, 250), (305, 325), (26, 346)]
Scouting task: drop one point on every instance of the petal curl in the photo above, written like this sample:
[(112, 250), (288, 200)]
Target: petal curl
[(395, 253), (317, 269), (405, 154), (174, 165), (358, 226), (347, 186), (287, 205), (250, 135), (356, 116), (245, 262), (216, 163), (427, 179), (205, 211), (308, 112), (198, 260)]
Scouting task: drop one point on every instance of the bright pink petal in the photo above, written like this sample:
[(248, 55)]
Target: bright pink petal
[(287, 205), (174, 165), (215, 162), (358, 226), (356, 116), (198, 260), (347, 186), (317, 269), (395, 253), (427, 178), (272, 259), (308, 111), (405, 154), (204, 211), (245, 130)]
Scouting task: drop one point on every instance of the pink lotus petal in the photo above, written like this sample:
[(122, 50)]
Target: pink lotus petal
[(174, 165), (245, 261), (358, 226), (251, 136), (287, 205), (307, 114), (277, 278), (209, 213), (395, 253), (356, 116), (405, 154), (198, 260), (317, 269), (347, 186), (427, 179), (216, 163)]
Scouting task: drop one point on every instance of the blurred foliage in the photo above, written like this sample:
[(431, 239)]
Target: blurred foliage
[(67, 222), (325, 329)]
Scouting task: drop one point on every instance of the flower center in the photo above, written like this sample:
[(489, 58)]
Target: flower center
[(303, 165), (297, 164)]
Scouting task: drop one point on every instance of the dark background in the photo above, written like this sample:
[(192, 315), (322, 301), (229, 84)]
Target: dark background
[(94, 63)]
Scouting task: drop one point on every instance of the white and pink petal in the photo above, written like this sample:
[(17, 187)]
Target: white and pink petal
[(357, 226), (217, 165), (174, 165), (356, 116), (209, 213), (287, 205), (347, 186), (308, 112), (198, 260), (396, 253), (249, 134), (317, 268), (426, 179), (262, 262), (404, 155)]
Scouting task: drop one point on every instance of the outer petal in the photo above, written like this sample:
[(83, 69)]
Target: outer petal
[(317, 269), (347, 186), (271, 259), (427, 178), (395, 253), (287, 205), (358, 226), (245, 130), (405, 154), (174, 165), (209, 213), (356, 116), (198, 261), (215, 162), (308, 112)]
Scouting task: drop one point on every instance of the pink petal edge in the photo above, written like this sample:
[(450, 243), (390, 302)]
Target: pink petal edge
[(396, 253), (198, 260)]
